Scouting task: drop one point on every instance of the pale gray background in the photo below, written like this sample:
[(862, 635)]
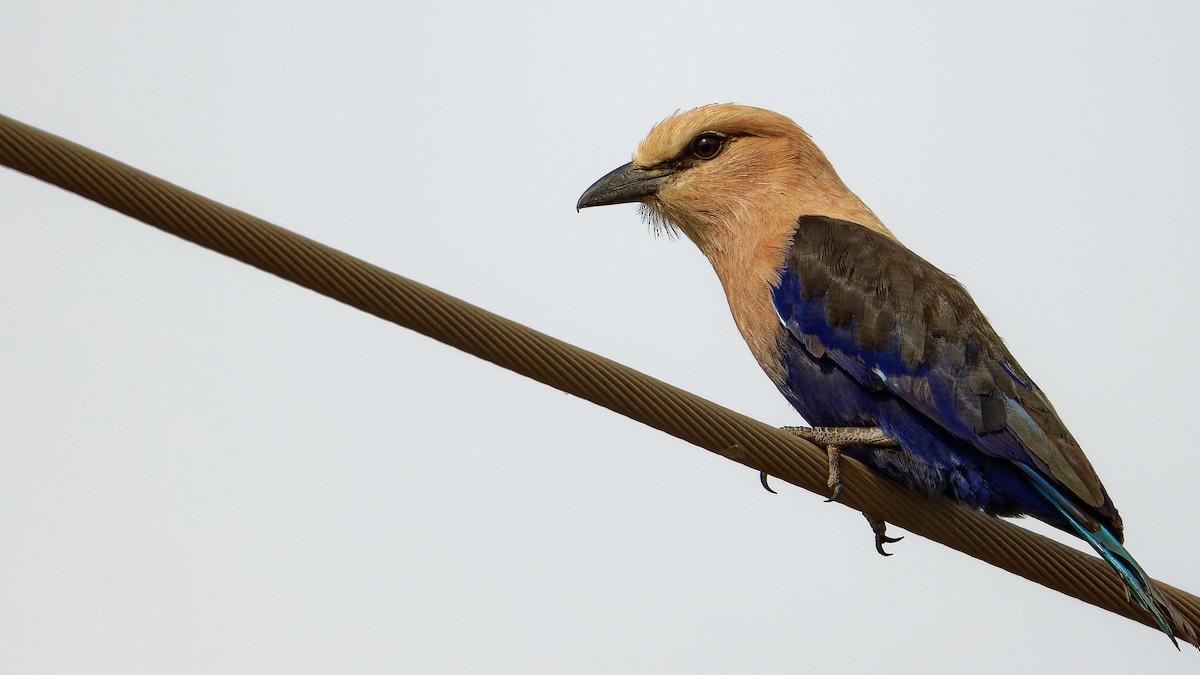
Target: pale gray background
[(204, 469)]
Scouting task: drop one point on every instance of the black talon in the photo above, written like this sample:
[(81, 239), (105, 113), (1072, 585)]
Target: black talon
[(837, 492), (762, 478), (881, 539), (879, 527), (879, 547)]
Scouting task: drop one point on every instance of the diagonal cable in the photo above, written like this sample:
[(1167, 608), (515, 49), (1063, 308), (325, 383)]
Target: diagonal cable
[(519, 348)]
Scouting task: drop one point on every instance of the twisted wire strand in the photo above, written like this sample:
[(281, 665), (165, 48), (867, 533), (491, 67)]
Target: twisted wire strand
[(519, 348)]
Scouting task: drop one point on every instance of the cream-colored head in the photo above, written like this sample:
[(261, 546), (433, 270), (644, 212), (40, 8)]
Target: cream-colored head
[(734, 179), (722, 172)]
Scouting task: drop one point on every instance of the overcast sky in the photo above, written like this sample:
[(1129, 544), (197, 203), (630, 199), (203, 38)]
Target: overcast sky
[(205, 469)]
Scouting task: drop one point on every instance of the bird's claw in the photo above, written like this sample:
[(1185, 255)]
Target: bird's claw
[(880, 540), (762, 478), (837, 491), (879, 527)]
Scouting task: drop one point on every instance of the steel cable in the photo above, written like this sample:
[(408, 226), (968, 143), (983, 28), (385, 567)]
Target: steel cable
[(563, 366)]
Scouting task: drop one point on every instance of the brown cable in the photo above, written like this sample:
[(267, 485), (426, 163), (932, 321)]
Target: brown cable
[(560, 365)]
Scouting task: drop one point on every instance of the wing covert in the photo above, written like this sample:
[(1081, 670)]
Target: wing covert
[(896, 323)]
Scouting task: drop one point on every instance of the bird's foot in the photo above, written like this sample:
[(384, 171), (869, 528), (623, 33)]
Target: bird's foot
[(833, 439), (879, 527), (834, 452)]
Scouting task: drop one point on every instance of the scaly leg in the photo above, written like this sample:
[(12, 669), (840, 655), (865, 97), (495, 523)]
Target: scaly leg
[(834, 439)]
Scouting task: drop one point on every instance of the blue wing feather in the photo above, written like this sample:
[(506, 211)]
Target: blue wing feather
[(875, 335), (930, 370)]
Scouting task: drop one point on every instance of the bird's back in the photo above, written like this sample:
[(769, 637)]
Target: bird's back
[(872, 334)]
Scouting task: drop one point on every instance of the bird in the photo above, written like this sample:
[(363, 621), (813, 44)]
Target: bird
[(887, 357)]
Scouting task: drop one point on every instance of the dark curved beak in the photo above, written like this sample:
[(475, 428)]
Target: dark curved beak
[(628, 183)]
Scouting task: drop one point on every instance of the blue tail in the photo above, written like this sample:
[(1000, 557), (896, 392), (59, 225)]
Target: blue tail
[(1141, 588)]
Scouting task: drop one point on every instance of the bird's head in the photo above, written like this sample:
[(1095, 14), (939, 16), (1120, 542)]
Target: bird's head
[(724, 171)]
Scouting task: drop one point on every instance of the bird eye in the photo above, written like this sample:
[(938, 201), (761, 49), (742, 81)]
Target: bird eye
[(707, 145)]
